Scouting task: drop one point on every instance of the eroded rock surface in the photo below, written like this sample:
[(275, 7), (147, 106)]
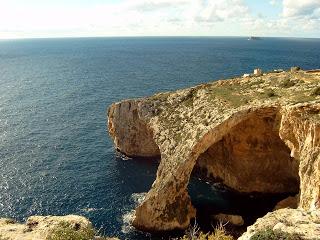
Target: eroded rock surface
[(296, 222), (289, 202), (131, 135), (257, 134), (38, 227)]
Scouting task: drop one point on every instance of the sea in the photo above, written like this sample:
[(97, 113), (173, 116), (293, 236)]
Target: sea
[(56, 157)]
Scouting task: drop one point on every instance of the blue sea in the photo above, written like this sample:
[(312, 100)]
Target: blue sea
[(55, 154)]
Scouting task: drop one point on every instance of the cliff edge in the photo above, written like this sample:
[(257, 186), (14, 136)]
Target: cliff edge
[(259, 133), (49, 228)]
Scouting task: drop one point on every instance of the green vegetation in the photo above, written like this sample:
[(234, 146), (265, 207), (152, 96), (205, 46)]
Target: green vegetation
[(316, 92), (10, 221), (270, 93), (67, 231), (269, 234), (287, 83), (230, 94), (194, 233)]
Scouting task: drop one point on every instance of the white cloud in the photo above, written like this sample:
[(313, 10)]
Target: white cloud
[(220, 10), (130, 17), (294, 8), (154, 17)]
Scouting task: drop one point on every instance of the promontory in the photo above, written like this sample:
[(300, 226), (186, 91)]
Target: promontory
[(255, 133)]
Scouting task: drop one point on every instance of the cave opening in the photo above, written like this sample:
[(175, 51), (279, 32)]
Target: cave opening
[(246, 173)]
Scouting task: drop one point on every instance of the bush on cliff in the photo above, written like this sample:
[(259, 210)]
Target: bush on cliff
[(194, 233), (316, 92), (66, 231), (269, 234)]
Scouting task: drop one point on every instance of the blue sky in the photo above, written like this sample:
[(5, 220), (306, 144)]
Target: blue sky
[(89, 18)]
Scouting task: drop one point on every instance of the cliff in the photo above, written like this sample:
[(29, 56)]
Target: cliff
[(259, 133), (49, 228)]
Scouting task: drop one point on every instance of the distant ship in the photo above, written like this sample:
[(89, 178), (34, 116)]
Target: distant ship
[(254, 38)]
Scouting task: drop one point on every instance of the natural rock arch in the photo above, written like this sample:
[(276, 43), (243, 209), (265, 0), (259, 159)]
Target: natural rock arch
[(196, 122), (167, 205), (251, 157)]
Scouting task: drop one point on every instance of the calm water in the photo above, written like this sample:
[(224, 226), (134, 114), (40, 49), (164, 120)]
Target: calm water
[(55, 155)]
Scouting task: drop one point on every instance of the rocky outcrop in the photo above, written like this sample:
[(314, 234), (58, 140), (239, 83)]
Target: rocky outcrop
[(41, 228), (37, 227), (130, 133), (253, 134), (295, 222)]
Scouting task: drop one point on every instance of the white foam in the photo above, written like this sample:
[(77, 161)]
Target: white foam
[(87, 210), (127, 220), (138, 197), (122, 156), (128, 217)]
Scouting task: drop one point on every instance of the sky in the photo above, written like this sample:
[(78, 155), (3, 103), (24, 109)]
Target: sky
[(95, 18)]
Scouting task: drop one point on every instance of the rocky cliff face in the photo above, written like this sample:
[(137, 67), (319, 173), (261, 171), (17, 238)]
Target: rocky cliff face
[(130, 133), (254, 134), (295, 222), (49, 228), (40, 227)]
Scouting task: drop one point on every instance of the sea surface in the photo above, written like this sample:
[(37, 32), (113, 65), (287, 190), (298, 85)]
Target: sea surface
[(55, 154)]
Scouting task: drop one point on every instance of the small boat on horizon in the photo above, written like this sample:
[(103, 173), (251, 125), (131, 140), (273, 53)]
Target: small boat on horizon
[(254, 38)]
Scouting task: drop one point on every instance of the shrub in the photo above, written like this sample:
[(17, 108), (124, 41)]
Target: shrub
[(194, 233), (316, 92), (9, 221), (67, 231), (287, 83), (270, 93), (269, 234)]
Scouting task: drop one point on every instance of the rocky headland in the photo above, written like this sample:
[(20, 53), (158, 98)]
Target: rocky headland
[(259, 133), (49, 228)]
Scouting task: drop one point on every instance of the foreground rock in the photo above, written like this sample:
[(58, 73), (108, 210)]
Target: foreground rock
[(294, 222), (47, 228), (253, 134)]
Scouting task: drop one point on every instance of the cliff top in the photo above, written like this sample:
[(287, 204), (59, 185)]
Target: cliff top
[(215, 101)]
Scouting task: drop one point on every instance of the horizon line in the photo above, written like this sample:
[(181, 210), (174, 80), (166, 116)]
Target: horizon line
[(155, 36)]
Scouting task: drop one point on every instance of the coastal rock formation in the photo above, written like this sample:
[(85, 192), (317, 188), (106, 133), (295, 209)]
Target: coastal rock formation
[(253, 134), (37, 227), (130, 134), (295, 222), (41, 227)]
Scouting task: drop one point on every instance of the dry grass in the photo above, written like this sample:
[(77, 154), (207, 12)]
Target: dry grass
[(194, 233)]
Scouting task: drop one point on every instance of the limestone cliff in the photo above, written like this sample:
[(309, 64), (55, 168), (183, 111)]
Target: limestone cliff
[(296, 222), (254, 134), (48, 228)]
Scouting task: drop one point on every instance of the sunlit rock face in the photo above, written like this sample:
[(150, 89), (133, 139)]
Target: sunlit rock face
[(131, 135), (255, 134), (251, 157), (39, 227), (297, 223)]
